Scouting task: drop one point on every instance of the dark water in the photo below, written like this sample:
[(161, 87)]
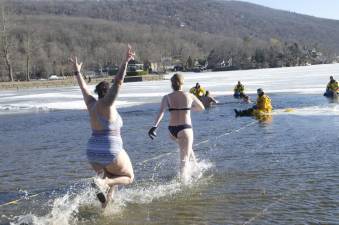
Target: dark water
[(283, 171)]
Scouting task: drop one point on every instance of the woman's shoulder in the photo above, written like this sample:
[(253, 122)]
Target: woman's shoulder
[(180, 94), (190, 96), (92, 104), (101, 106)]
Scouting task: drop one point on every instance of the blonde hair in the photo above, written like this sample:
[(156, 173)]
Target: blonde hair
[(177, 81)]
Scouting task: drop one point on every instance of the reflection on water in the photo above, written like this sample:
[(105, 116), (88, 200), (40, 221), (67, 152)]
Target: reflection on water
[(281, 171)]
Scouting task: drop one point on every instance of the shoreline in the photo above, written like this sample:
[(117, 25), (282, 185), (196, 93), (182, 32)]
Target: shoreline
[(70, 81)]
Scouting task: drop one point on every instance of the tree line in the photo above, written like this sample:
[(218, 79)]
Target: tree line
[(36, 46)]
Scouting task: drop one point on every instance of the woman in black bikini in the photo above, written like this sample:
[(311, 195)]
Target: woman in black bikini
[(179, 104)]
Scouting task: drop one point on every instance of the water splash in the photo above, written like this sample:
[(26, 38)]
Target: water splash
[(63, 210), (72, 207), (194, 172)]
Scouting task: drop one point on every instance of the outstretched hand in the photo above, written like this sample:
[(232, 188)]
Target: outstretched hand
[(151, 133), (76, 65), (130, 53)]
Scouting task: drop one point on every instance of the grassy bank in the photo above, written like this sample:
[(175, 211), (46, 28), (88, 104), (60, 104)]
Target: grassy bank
[(71, 81)]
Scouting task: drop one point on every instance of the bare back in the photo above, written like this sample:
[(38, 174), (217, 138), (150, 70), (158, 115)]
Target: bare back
[(181, 104), (110, 113)]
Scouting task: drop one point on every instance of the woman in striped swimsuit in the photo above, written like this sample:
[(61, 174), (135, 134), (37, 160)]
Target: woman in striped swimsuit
[(105, 150), (179, 104)]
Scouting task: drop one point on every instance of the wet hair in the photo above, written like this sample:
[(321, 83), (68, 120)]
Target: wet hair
[(101, 89), (177, 81)]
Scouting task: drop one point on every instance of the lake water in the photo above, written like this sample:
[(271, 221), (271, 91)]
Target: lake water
[(281, 171)]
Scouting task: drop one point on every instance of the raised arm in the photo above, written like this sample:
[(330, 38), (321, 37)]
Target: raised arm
[(163, 107), (197, 104), (88, 98), (112, 94)]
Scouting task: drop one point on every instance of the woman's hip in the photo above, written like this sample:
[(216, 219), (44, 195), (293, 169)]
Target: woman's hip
[(175, 130)]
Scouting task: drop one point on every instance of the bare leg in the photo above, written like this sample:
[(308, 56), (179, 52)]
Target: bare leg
[(120, 171), (194, 159), (118, 180), (109, 196), (185, 141), (97, 168)]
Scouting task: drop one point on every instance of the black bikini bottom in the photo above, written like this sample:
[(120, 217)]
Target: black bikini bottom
[(174, 130)]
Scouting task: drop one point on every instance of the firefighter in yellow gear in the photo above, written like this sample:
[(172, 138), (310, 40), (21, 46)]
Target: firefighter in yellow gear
[(239, 90), (263, 103), (263, 106), (197, 90), (332, 85), (332, 88)]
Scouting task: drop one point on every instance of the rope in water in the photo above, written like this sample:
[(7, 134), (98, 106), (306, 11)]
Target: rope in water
[(147, 160), (266, 209), (14, 202), (200, 143)]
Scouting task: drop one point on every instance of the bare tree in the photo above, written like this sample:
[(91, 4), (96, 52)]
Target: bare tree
[(5, 44), (28, 50)]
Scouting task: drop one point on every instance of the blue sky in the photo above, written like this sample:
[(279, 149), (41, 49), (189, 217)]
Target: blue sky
[(319, 8)]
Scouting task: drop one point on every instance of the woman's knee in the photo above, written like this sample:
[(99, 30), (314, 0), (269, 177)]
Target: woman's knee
[(131, 178)]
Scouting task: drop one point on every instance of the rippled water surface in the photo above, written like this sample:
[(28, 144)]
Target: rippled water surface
[(280, 171)]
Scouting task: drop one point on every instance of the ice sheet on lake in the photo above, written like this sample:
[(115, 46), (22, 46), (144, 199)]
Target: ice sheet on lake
[(305, 80)]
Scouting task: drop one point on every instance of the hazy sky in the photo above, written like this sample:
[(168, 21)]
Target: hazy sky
[(319, 8)]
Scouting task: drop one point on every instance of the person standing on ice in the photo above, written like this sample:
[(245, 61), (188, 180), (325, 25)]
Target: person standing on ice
[(263, 106), (332, 88), (179, 104), (239, 90), (105, 150)]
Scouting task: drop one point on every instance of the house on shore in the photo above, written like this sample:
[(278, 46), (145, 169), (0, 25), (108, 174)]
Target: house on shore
[(135, 68)]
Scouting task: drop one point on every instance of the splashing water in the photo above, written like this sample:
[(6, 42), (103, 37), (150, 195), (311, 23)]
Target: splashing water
[(194, 171), (63, 210), (71, 208)]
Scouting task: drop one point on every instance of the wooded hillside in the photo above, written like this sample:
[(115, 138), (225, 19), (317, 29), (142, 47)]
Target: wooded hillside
[(38, 36)]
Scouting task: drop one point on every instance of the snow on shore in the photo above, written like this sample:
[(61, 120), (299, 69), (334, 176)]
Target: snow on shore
[(302, 80)]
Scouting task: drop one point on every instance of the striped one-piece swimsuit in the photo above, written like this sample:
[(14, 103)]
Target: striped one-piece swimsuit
[(104, 145)]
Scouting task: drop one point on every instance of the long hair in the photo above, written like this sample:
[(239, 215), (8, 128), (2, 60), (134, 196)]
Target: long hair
[(177, 81), (102, 88)]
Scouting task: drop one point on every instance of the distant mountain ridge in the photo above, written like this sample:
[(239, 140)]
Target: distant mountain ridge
[(41, 34), (230, 18)]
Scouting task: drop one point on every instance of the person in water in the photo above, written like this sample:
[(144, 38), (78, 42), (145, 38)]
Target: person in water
[(246, 99), (197, 90), (239, 90), (263, 106), (332, 88), (105, 150), (179, 104), (207, 100)]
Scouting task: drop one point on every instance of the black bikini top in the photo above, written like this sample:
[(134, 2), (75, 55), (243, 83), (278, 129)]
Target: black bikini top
[(179, 109), (176, 109)]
